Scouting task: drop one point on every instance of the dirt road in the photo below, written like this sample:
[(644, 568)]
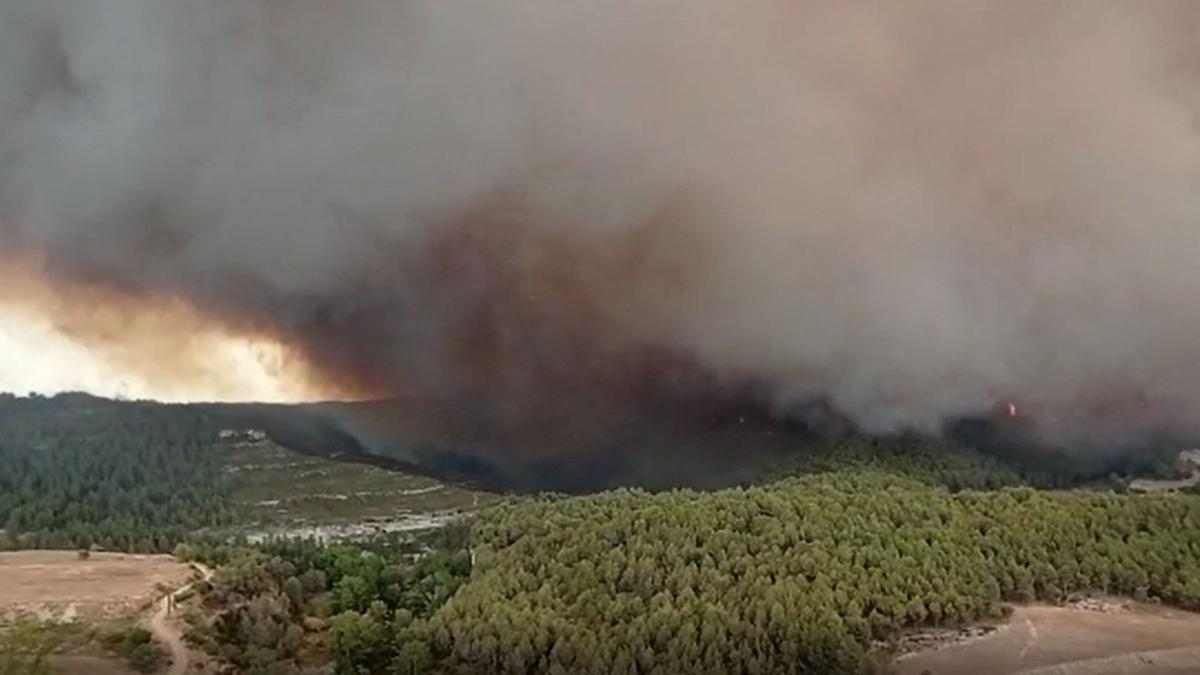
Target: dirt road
[(164, 629)]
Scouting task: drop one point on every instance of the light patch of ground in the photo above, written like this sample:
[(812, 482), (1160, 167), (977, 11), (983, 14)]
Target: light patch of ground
[(58, 586), (366, 529), (1040, 640)]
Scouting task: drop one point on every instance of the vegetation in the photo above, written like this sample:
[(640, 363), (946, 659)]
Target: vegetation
[(277, 486), (929, 460), (25, 649), (819, 569), (77, 471), (814, 574), (289, 605), (81, 472), (137, 646), (959, 466), (805, 575)]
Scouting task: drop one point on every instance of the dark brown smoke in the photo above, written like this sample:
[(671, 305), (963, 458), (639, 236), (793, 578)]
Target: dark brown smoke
[(563, 216)]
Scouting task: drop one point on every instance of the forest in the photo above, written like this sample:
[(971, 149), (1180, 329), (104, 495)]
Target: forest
[(812, 574), (818, 567), (291, 606), (77, 471)]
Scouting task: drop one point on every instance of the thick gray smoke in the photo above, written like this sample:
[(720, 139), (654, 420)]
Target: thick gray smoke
[(911, 210)]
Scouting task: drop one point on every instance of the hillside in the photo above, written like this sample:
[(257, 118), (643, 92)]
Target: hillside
[(809, 574), (822, 558), (78, 471)]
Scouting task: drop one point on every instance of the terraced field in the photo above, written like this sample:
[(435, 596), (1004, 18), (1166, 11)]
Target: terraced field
[(275, 486)]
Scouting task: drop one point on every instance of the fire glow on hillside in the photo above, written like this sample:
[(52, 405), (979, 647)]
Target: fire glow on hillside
[(55, 339)]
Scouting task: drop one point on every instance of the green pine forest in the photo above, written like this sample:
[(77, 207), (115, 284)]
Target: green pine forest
[(804, 575), (77, 471)]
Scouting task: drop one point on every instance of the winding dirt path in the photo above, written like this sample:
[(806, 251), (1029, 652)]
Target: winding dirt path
[(166, 632)]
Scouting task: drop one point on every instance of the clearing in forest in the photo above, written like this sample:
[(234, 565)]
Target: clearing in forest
[(278, 486), (58, 586), (1040, 640)]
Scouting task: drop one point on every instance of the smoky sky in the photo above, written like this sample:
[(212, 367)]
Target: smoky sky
[(910, 210)]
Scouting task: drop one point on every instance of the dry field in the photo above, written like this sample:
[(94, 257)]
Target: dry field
[(1130, 640), (58, 586)]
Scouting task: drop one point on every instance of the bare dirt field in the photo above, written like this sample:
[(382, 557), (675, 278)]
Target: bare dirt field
[(58, 586), (1130, 640)]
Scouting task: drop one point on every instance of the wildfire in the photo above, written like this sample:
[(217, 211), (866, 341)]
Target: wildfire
[(1012, 409), (63, 337)]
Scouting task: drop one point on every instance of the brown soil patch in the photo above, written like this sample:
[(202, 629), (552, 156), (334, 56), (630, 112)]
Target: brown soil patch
[(58, 586), (1073, 641)]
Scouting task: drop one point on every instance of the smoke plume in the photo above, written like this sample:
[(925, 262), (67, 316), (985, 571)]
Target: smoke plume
[(558, 212)]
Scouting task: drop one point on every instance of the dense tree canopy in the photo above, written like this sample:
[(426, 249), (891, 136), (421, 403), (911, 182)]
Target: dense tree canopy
[(805, 575), (816, 574), (285, 607), (77, 471)]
